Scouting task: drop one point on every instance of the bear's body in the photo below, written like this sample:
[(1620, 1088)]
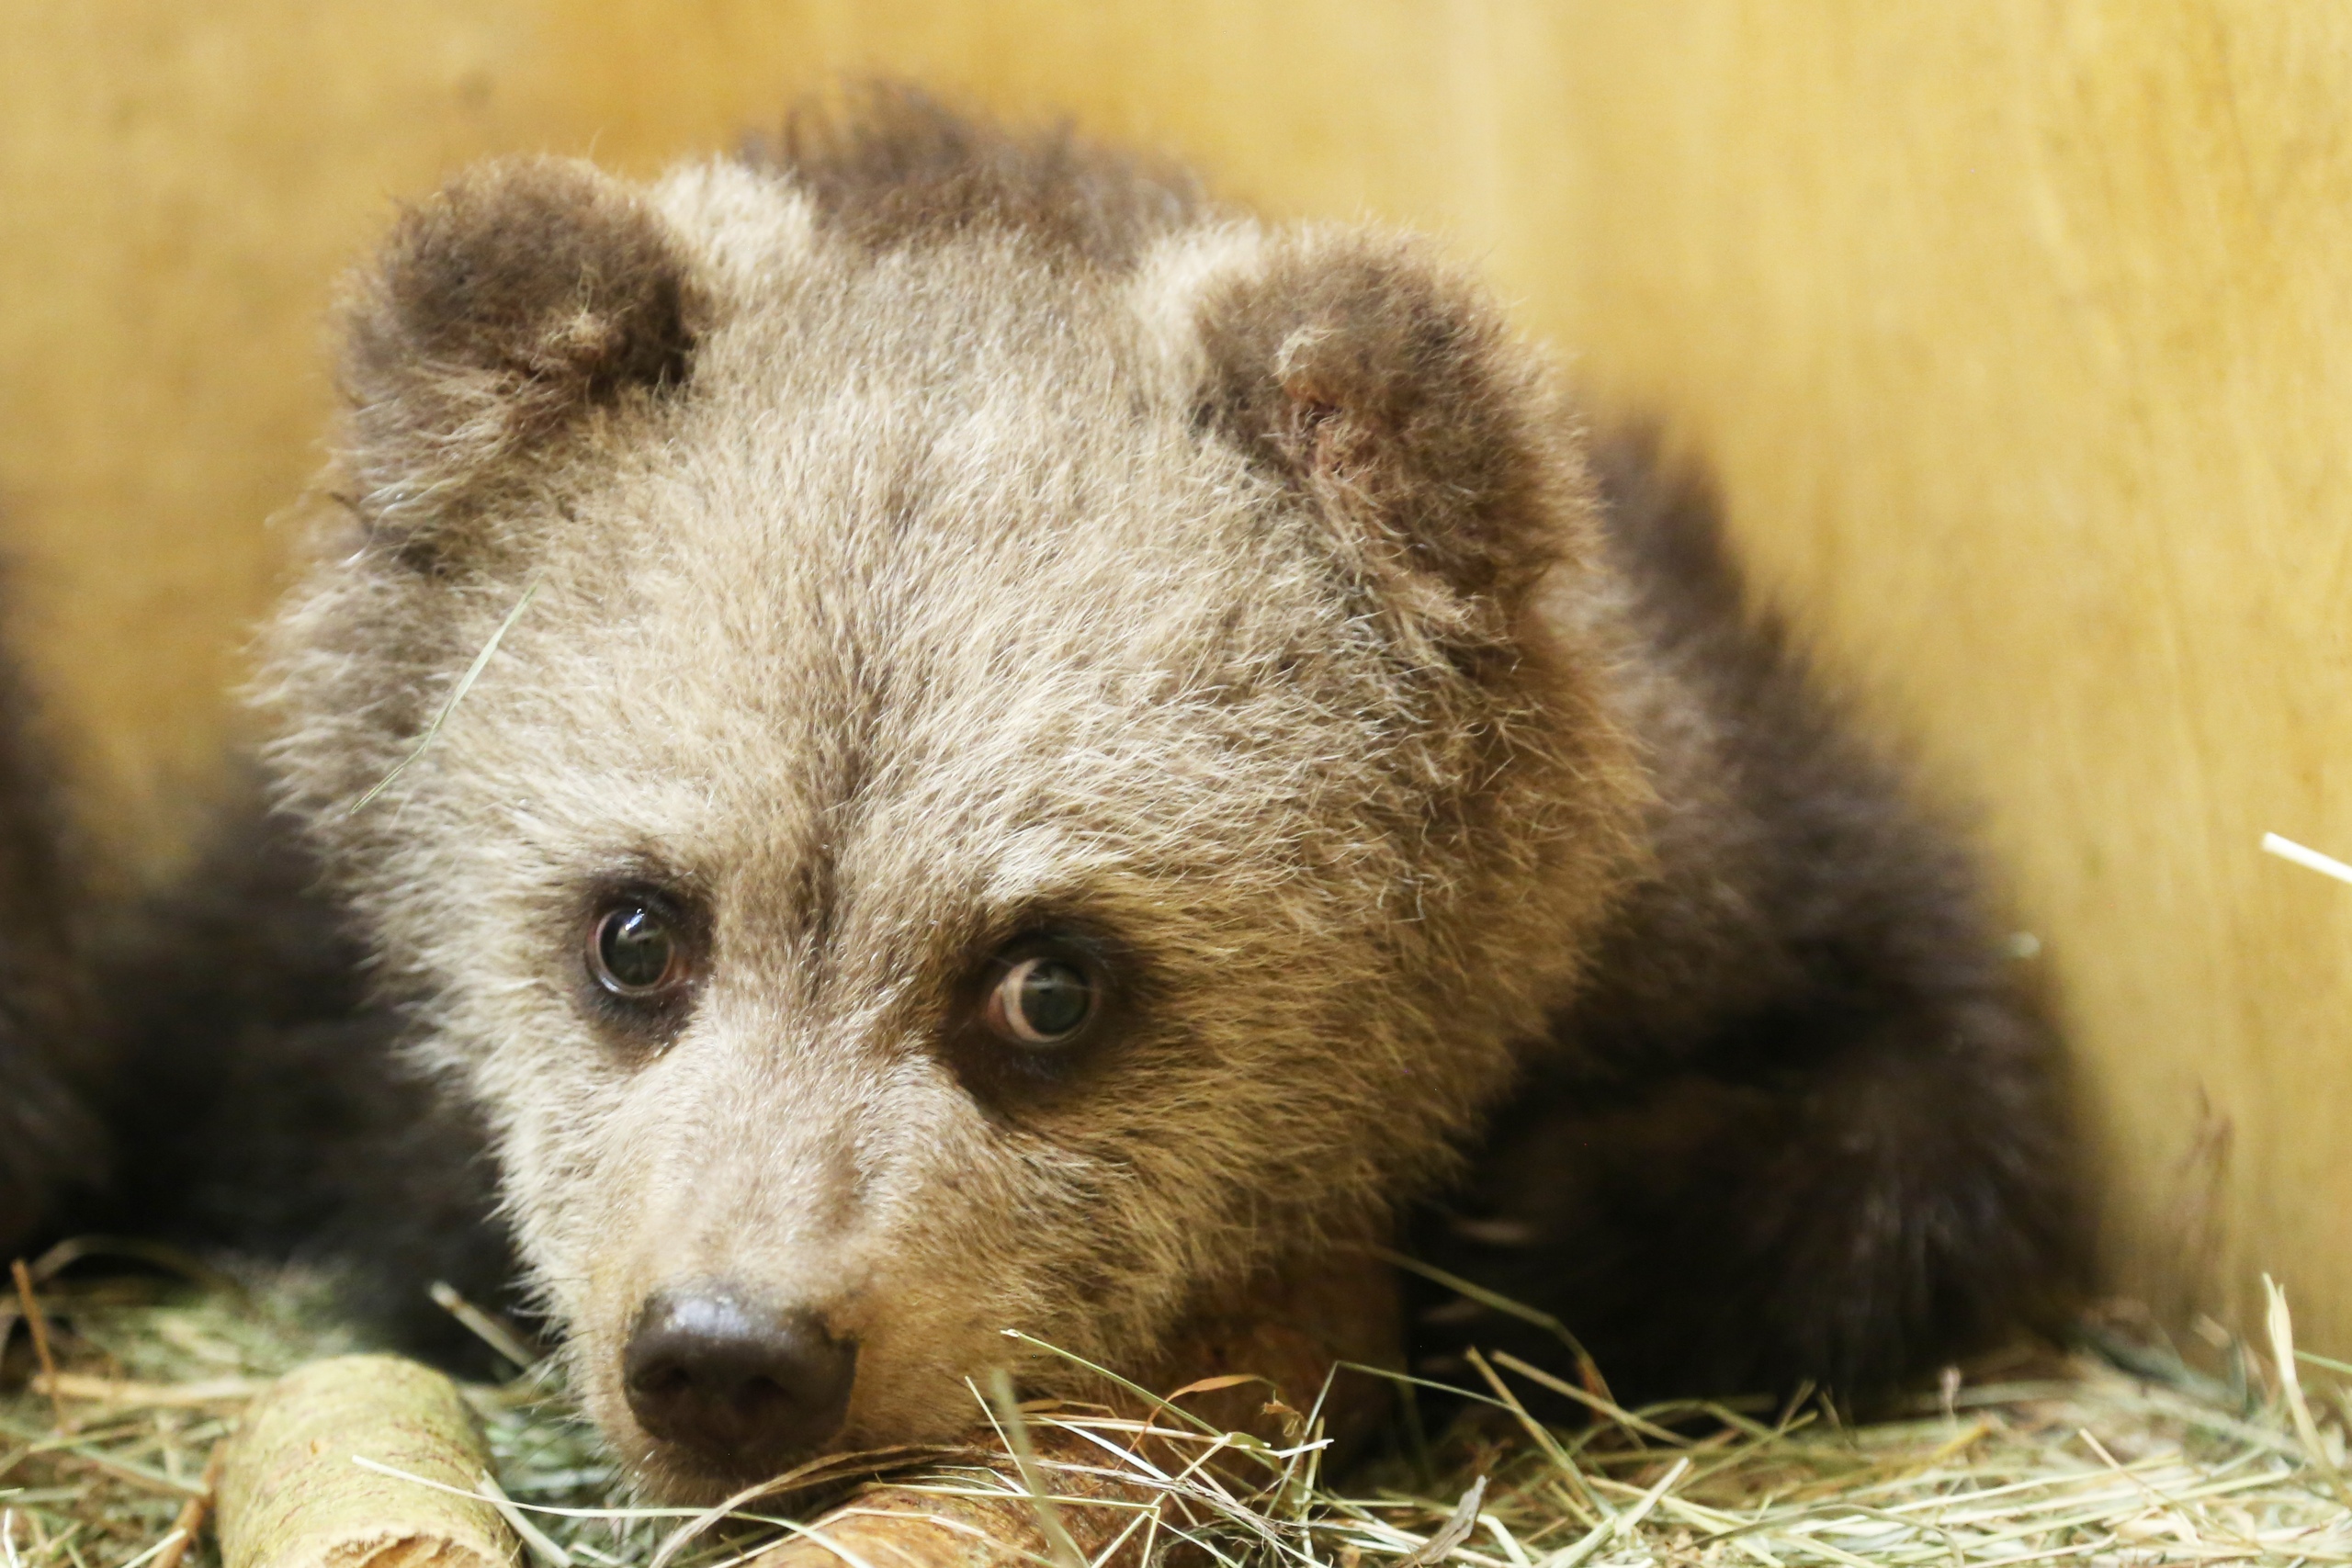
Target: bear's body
[(1039, 753), (1800, 1125), (261, 1107), (55, 1156)]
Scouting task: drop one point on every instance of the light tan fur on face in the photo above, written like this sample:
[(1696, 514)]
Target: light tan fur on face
[(960, 586)]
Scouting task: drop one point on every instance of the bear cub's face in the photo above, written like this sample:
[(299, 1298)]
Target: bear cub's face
[(1012, 790)]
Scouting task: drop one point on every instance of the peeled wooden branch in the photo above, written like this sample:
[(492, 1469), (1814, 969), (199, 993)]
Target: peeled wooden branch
[(293, 1496)]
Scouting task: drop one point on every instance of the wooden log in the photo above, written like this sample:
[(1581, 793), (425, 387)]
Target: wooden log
[(293, 1496)]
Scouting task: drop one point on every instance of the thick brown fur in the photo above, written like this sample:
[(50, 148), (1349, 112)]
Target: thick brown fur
[(54, 1152), (261, 1108), (900, 171), (1805, 1122), (926, 541)]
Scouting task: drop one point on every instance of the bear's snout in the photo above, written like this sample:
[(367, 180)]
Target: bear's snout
[(745, 1389)]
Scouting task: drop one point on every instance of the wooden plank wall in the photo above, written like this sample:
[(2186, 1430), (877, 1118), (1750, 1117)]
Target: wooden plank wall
[(2020, 334)]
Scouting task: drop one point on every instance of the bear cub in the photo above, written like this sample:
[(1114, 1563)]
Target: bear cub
[(934, 734)]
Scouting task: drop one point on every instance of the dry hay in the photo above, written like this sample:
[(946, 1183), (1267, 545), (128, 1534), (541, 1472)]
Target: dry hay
[(2117, 1452)]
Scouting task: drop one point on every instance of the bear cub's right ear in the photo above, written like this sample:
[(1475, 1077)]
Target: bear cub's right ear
[(502, 310)]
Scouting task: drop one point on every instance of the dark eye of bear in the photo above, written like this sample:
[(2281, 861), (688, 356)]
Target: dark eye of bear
[(635, 953), (1041, 1001)]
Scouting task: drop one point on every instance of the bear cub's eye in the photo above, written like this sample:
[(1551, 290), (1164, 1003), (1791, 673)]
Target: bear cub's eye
[(636, 951), (1043, 1001)]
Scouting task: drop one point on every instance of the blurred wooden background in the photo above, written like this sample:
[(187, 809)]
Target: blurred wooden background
[(2021, 334)]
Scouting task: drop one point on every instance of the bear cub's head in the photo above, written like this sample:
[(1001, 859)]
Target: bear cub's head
[(1025, 753)]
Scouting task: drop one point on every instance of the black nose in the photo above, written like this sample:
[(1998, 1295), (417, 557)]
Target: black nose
[(746, 1390)]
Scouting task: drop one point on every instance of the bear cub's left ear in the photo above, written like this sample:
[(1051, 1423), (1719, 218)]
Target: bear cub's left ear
[(1392, 396), (503, 309)]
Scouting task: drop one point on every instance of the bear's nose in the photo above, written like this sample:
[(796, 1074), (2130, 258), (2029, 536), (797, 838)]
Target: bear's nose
[(744, 1389)]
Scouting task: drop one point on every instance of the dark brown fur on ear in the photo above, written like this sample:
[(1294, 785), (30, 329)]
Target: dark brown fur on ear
[(1393, 396), (523, 293)]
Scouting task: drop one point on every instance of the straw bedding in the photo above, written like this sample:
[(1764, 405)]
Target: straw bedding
[(2114, 1451)]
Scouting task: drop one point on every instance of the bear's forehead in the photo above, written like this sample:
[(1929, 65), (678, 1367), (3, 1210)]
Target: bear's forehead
[(907, 668), (958, 439), (987, 310), (931, 559), (988, 636), (987, 544), (982, 533)]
